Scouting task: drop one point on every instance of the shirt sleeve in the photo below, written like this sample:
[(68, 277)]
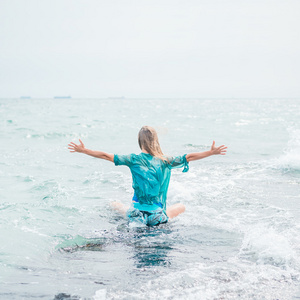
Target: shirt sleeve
[(121, 160), (179, 162)]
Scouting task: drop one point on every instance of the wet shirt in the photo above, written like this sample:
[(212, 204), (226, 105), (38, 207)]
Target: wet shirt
[(151, 175)]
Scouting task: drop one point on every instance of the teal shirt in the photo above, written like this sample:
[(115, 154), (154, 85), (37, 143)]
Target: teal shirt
[(151, 176)]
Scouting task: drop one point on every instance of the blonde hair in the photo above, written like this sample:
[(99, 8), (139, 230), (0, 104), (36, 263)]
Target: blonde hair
[(148, 140)]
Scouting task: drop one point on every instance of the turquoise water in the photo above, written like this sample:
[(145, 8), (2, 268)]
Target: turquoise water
[(238, 239)]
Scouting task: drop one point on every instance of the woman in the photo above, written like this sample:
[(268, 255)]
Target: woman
[(151, 172)]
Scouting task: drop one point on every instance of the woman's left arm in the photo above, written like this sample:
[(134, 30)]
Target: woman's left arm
[(81, 149)]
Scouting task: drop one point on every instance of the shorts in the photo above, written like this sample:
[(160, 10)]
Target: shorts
[(149, 218)]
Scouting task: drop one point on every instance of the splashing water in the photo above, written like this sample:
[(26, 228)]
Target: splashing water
[(238, 239)]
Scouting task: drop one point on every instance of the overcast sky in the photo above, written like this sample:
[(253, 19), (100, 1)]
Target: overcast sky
[(150, 48)]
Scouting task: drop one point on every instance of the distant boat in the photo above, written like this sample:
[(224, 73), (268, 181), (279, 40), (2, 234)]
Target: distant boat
[(62, 97), (116, 97), (25, 97)]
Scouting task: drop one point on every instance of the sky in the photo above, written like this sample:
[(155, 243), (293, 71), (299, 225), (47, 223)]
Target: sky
[(150, 48)]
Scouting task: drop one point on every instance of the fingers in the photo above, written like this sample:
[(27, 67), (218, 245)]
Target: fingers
[(76, 148), (221, 150), (72, 144), (222, 147), (72, 147)]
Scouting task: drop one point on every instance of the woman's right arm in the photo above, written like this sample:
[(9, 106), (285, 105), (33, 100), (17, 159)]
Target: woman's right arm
[(81, 149), (221, 150)]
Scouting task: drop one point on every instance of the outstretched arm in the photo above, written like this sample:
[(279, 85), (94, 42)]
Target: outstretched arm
[(213, 151), (81, 149)]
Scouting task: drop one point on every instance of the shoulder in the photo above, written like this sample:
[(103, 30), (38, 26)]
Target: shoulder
[(123, 159), (134, 156)]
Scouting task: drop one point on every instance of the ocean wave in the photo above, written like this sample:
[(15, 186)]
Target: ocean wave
[(290, 160), (235, 280), (55, 135), (267, 246), (193, 147)]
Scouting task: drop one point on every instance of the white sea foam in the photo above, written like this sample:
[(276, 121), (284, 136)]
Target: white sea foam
[(235, 280), (266, 246), (100, 295), (291, 157)]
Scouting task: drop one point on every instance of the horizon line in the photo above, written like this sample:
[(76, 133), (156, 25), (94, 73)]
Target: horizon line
[(141, 98)]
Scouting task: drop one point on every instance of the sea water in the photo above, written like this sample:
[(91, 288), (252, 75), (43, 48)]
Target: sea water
[(238, 239)]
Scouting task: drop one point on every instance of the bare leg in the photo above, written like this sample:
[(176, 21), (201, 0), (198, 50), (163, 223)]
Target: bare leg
[(119, 207), (174, 210)]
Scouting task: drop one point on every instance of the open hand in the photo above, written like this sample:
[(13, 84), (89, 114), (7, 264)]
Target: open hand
[(218, 150), (76, 148)]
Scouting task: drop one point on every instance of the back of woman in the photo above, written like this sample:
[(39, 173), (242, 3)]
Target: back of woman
[(151, 172)]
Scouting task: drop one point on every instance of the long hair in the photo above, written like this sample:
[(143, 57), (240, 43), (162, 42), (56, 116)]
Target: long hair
[(149, 141)]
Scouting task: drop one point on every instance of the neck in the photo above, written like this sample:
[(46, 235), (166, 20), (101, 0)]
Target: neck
[(145, 151)]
